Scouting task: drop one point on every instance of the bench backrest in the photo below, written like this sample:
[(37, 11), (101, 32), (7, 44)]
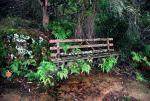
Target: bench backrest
[(92, 45)]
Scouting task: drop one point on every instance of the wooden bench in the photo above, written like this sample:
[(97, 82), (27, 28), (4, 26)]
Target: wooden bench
[(89, 48)]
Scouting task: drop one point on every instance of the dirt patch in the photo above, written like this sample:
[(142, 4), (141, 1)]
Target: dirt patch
[(13, 96), (139, 90), (118, 96), (99, 87), (91, 88)]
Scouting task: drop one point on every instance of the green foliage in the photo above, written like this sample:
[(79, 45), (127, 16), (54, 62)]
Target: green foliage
[(47, 66), (134, 64), (76, 51), (108, 63), (65, 46), (74, 68), (15, 66), (79, 66), (62, 73), (147, 50), (139, 58), (103, 4), (7, 47), (84, 66), (61, 29), (146, 18), (31, 76), (3, 52), (44, 71), (20, 66), (30, 61), (72, 7), (136, 57), (139, 77)]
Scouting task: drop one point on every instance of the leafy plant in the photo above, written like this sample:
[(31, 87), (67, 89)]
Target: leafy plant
[(74, 68), (76, 51), (136, 57), (65, 46), (62, 73), (44, 71), (15, 66), (139, 77), (31, 76), (139, 58), (146, 18), (108, 63), (61, 29), (84, 66), (147, 50)]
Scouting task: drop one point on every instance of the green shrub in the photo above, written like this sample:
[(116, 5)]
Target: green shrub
[(79, 66), (84, 66), (62, 73), (146, 18), (43, 74), (147, 50), (136, 57), (108, 63), (139, 77), (74, 68), (139, 58), (15, 66), (61, 29), (44, 71)]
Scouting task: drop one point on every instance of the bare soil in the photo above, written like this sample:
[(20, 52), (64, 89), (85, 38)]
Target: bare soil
[(94, 87)]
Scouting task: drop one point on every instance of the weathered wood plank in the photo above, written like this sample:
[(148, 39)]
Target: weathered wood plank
[(80, 40), (82, 46)]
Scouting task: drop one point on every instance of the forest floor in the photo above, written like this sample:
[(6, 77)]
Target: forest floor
[(94, 87)]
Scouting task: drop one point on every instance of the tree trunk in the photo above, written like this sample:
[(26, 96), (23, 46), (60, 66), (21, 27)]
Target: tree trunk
[(89, 23), (44, 5), (78, 29), (89, 26), (86, 23), (45, 18)]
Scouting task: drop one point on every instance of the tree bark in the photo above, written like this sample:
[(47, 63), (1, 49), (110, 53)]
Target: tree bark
[(89, 26), (85, 27), (78, 29), (45, 20)]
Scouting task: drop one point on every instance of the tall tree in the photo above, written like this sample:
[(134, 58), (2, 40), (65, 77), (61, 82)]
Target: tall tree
[(44, 5), (85, 27)]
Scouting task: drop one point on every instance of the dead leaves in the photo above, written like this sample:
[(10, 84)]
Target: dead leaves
[(8, 74)]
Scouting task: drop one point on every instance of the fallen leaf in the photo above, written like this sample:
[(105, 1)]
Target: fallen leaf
[(8, 74)]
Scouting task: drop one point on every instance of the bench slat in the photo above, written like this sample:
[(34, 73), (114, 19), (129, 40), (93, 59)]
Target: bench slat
[(82, 46), (80, 40)]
